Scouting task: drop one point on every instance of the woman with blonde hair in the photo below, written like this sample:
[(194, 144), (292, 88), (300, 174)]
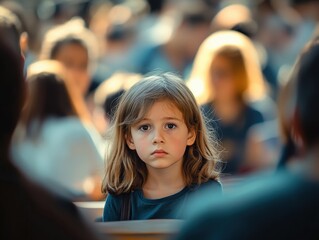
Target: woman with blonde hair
[(226, 80)]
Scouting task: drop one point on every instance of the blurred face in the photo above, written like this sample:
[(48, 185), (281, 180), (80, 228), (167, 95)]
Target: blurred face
[(75, 59), (194, 36), (223, 79), (160, 139)]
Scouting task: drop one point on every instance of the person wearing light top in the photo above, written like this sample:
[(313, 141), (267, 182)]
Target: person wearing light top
[(52, 144)]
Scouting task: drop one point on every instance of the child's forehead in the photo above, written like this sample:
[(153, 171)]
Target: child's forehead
[(164, 108)]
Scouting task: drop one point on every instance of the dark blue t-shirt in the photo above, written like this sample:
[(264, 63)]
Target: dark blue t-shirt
[(232, 135), (170, 207)]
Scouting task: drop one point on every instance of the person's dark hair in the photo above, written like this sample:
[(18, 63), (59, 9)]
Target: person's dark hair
[(118, 32), (196, 16), (248, 28), (12, 90), (156, 6), (300, 2), (307, 79), (65, 41), (48, 97), (111, 102), (194, 13)]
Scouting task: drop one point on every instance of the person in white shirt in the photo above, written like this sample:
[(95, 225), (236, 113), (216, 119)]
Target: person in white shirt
[(52, 143)]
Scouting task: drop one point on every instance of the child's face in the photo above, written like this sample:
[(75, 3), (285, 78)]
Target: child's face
[(160, 139)]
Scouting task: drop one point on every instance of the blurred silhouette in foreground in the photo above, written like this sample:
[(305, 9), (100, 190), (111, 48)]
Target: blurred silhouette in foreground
[(27, 211), (283, 205)]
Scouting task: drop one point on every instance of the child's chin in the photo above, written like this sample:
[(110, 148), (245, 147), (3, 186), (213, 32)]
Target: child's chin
[(161, 164)]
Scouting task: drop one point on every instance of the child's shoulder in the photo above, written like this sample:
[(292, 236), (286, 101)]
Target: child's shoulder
[(212, 183)]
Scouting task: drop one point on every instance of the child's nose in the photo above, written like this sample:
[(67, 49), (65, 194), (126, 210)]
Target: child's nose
[(158, 136)]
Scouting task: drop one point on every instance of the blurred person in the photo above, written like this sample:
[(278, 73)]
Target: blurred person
[(239, 17), (52, 145), (227, 81), (27, 210), (108, 94), (74, 46), (27, 35), (230, 16), (161, 153), (283, 205), (10, 30), (263, 147), (283, 31), (118, 41), (271, 143), (190, 25), (308, 13)]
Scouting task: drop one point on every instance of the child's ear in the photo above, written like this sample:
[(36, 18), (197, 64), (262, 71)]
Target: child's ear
[(130, 142), (191, 137)]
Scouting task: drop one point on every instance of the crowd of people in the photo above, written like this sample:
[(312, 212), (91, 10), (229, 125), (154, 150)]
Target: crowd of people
[(199, 110)]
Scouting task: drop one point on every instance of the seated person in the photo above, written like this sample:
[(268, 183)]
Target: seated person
[(283, 205)]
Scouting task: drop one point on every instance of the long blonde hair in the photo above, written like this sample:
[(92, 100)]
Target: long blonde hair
[(125, 171), (200, 78)]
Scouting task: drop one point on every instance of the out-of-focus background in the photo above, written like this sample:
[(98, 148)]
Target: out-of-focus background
[(234, 55)]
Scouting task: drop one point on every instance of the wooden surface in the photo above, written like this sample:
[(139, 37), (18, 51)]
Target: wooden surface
[(91, 210), (141, 229)]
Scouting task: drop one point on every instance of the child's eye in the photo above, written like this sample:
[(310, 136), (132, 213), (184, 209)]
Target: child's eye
[(170, 126), (144, 128)]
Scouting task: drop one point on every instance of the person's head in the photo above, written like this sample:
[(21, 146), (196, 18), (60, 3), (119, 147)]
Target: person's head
[(159, 113), (230, 16), (306, 117), (226, 66), (108, 94), (48, 95), (10, 29), (228, 74), (25, 31), (192, 25), (72, 45)]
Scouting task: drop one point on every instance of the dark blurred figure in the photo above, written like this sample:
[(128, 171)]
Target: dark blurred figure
[(155, 5), (27, 211), (285, 205)]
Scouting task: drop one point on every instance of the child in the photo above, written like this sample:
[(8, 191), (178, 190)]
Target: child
[(161, 152)]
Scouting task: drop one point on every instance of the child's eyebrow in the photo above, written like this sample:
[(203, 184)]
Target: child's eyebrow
[(172, 118), (164, 118)]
